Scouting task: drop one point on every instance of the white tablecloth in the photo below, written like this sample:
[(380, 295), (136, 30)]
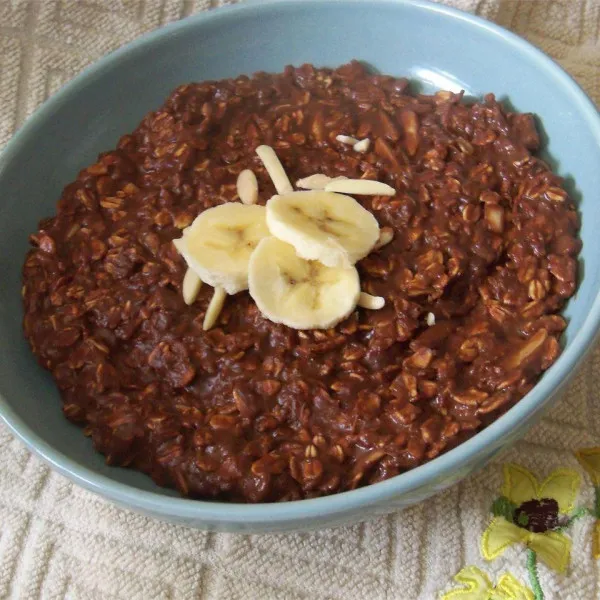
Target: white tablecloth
[(58, 541)]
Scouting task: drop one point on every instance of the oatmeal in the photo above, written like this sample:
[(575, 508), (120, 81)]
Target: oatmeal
[(456, 319)]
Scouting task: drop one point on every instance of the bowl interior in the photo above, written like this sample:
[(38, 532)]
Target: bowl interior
[(424, 42)]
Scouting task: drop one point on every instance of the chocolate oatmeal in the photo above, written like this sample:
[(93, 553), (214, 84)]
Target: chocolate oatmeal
[(476, 256)]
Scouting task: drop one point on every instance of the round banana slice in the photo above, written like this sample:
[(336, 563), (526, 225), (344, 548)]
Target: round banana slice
[(300, 293), (331, 228), (218, 244)]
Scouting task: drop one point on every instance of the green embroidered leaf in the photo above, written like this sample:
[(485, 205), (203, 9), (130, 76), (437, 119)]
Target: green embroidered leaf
[(523, 520), (566, 522), (582, 511), (503, 507)]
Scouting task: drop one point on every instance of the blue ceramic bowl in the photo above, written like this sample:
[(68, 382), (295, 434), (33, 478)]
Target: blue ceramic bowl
[(441, 48)]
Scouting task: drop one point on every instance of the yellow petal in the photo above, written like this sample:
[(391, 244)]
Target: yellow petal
[(596, 541), (552, 548), (589, 458), (519, 484), (499, 535), (562, 485), (476, 585), (509, 588)]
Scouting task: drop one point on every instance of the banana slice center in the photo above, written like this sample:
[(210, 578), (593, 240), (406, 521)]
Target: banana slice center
[(309, 284), (331, 225), (237, 237), (325, 221)]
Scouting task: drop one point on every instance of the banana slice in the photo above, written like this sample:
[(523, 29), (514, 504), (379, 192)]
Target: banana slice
[(300, 293), (218, 244), (331, 228)]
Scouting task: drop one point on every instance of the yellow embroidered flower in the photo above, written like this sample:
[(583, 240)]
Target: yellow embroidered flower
[(476, 585), (596, 541), (529, 512), (589, 458)]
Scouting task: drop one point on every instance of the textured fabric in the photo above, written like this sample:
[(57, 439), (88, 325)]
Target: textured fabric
[(58, 541)]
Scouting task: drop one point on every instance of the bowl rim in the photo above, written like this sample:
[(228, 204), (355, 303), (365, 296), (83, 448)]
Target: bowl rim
[(199, 511)]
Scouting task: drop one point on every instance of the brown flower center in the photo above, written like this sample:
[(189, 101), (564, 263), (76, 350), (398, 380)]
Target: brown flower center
[(537, 515)]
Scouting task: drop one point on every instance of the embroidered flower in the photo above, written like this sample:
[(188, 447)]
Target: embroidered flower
[(476, 585), (596, 541), (589, 458), (533, 514)]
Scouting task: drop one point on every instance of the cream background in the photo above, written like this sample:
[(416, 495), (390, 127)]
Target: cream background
[(58, 541)]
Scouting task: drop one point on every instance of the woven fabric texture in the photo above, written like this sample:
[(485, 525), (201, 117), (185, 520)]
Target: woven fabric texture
[(59, 541)]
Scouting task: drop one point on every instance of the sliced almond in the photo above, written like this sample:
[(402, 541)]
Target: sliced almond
[(247, 187), (214, 309), (362, 146), (360, 187), (386, 235), (191, 286), (316, 182), (494, 215), (346, 139), (410, 122), (371, 302), (520, 356), (275, 169)]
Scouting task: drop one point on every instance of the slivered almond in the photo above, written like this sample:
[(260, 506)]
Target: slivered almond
[(371, 302), (383, 149), (360, 187), (318, 181), (214, 308), (346, 139), (362, 146), (191, 286), (494, 215), (386, 235), (410, 122), (430, 319), (247, 187), (470, 397), (526, 350), (275, 169)]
